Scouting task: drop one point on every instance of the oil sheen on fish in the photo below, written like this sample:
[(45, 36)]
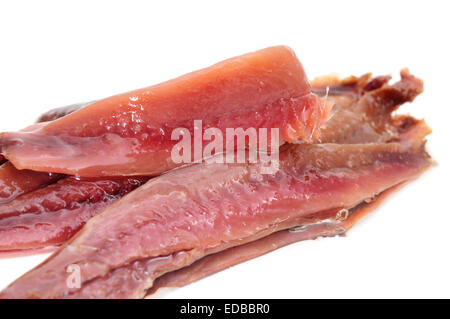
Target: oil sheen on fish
[(52, 215), (321, 224), (130, 133), (345, 94), (14, 182), (167, 224), (363, 107), (57, 222)]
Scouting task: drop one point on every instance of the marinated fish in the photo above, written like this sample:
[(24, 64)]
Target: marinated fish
[(14, 182), (130, 133), (52, 215), (180, 217), (322, 224), (129, 240), (347, 104)]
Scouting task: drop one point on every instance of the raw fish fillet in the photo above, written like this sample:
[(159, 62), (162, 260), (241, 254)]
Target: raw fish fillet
[(325, 224), (130, 133), (356, 119), (345, 94), (14, 183), (52, 215), (343, 108), (180, 217)]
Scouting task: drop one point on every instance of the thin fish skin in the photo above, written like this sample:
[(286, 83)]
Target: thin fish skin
[(130, 133), (59, 112), (363, 114), (159, 265)]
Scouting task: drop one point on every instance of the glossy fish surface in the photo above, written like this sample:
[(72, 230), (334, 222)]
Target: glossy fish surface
[(130, 133)]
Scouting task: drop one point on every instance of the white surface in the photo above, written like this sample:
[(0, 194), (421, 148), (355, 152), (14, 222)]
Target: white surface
[(53, 54)]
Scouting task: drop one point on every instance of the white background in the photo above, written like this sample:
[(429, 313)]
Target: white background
[(54, 53)]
